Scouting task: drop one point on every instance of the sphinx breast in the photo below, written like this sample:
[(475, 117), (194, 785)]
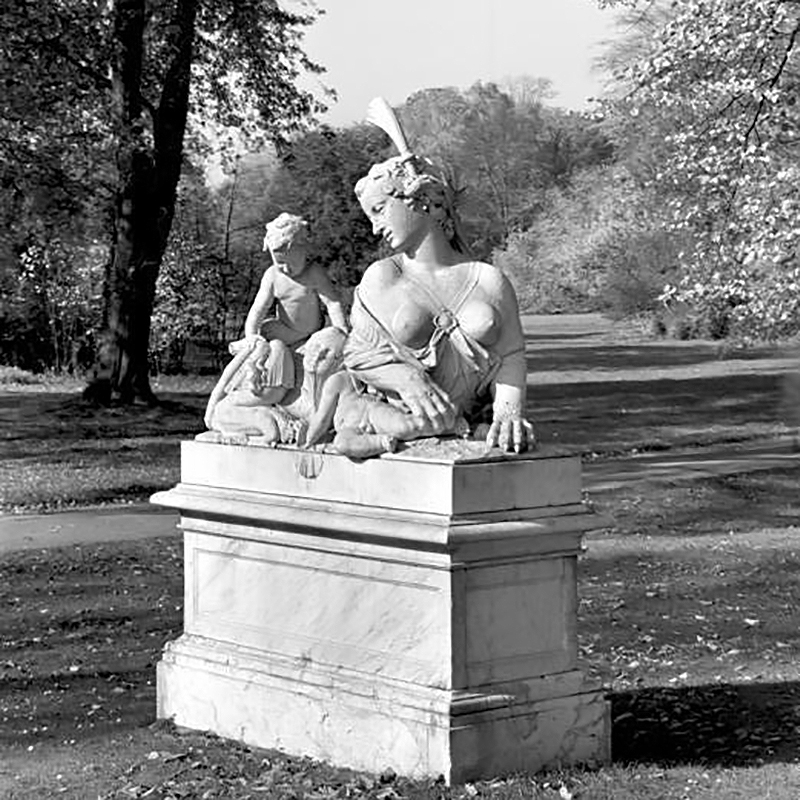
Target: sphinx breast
[(481, 322), (413, 325)]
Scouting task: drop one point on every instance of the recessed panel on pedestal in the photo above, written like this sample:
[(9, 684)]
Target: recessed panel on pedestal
[(411, 611)]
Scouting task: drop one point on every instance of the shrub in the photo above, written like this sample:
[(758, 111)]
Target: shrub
[(596, 246), (636, 267), (10, 376), (542, 287), (749, 303)]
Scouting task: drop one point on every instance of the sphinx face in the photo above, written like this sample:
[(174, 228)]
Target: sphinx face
[(401, 227)]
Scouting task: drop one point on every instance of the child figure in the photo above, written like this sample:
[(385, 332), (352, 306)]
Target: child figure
[(291, 288), (286, 311)]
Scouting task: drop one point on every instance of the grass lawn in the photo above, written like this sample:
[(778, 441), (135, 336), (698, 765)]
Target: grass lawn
[(598, 389), (56, 451), (689, 607), (690, 611)]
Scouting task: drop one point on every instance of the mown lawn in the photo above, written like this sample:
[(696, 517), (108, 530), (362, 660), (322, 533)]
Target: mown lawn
[(690, 612), (689, 607), (598, 389), (57, 451)]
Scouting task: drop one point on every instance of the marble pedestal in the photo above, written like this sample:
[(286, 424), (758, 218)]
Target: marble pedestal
[(415, 611)]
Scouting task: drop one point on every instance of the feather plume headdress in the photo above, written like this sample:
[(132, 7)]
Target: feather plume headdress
[(414, 178)]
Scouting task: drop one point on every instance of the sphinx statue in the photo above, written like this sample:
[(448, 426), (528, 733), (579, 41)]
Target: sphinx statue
[(436, 345), (434, 348)]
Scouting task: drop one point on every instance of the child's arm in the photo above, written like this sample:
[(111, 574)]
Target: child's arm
[(262, 303), (330, 298)]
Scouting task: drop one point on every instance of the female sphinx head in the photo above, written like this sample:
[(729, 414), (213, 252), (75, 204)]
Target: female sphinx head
[(415, 183)]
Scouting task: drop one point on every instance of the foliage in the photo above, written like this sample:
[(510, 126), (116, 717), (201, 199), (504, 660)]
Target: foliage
[(719, 84), (16, 376), (316, 179), (245, 69), (749, 303), (594, 246), (95, 110), (55, 179), (314, 173), (54, 129), (501, 154), (50, 304), (195, 302)]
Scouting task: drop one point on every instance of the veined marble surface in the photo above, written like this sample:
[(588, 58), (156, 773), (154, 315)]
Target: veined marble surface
[(453, 485), (403, 612)]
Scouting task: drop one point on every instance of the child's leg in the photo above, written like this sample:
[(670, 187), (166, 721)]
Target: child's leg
[(277, 372), (321, 420), (355, 444)]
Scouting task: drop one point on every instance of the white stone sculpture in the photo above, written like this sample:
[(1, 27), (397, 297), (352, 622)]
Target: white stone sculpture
[(270, 387), (416, 611), (436, 345)]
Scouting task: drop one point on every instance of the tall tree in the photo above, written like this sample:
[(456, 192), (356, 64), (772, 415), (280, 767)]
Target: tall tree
[(170, 62), (720, 82), (488, 149), (54, 174), (246, 56), (501, 153)]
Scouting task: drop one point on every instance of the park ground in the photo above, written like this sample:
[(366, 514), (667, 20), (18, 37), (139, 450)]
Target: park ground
[(689, 605)]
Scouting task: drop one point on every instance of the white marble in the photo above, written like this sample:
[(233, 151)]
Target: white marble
[(378, 614), (414, 480), (372, 722), (425, 634)]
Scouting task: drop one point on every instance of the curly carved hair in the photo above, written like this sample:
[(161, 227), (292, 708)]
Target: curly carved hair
[(416, 182), (286, 229)]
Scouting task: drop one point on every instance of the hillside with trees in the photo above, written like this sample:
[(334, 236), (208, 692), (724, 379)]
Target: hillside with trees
[(675, 197), (704, 109), (101, 104)]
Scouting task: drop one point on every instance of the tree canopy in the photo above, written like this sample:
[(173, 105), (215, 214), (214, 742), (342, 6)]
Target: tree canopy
[(679, 189), (502, 155), (98, 100), (713, 90)]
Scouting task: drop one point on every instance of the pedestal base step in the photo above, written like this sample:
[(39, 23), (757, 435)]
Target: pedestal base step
[(366, 722)]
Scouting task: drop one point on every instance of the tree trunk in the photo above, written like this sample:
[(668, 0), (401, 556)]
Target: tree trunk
[(148, 170)]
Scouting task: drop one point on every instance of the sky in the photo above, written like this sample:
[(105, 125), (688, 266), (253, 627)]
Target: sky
[(393, 49)]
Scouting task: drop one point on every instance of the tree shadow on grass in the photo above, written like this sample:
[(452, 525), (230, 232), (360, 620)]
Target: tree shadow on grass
[(694, 506), (721, 724), (679, 395), (67, 417), (620, 414), (620, 356), (590, 338), (74, 708), (609, 411), (587, 355)]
